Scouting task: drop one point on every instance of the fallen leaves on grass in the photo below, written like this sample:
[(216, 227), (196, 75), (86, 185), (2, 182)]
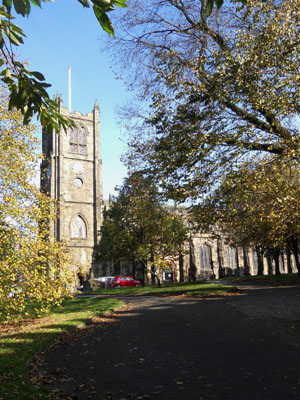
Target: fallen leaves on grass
[(38, 376)]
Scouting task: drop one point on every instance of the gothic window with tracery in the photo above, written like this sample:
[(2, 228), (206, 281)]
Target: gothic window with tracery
[(205, 257), (78, 228), (78, 140)]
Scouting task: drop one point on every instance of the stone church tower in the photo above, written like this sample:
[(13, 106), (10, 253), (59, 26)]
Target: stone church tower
[(71, 173)]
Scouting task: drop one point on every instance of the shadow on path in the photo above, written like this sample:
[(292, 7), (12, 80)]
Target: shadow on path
[(166, 348)]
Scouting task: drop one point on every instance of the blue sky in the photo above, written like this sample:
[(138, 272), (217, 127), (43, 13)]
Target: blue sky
[(64, 33)]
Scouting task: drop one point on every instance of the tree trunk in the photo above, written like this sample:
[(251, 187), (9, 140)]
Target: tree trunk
[(246, 262), (192, 268), (158, 280), (260, 262), (181, 268), (144, 272), (270, 263), (152, 269), (276, 255)]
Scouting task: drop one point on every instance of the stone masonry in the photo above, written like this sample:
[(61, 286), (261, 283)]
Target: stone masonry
[(71, 173)]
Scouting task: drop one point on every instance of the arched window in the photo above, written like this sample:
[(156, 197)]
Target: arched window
[(78, 139), (205, 257), (78, 228), (232, 260)]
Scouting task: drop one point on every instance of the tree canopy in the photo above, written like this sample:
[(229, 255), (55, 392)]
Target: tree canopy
[(28, 89), (220, 87), (139, 228)]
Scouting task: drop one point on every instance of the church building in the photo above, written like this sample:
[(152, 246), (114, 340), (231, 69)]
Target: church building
[(71, 173)]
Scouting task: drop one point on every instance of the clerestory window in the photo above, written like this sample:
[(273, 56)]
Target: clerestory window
[(78, 140)]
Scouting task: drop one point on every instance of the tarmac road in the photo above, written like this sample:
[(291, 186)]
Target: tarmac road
[(239, 347)]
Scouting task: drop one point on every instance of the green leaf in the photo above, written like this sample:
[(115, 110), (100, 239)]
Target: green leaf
[(103, 20), (219, 3), (209, 7), (12, 98), (5, 14), (13, 32), (85, 3), (14, 38), (120, 3), (104, 5), (38, 75), (36, 2), (27, 116), (7, 4), (22, 7), (45, 85), (16, 29)]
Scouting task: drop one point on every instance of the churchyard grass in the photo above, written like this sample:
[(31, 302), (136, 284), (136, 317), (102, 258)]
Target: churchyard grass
[(171, 289), (20, 342)]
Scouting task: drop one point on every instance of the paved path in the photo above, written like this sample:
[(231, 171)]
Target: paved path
[(238, 347)]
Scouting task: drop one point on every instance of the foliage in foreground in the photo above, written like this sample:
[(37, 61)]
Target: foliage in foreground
[(18, 343), (28, 89), (31, 266)]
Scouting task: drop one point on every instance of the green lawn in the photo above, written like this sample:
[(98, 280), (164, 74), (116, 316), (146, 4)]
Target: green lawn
[(193, 289), (20, 342)]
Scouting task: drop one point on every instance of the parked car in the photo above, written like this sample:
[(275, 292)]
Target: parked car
[(105, 279), (124, 281)]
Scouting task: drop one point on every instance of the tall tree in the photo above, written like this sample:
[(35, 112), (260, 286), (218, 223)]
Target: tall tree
[(32, 267), (220, 86), (138, 227)]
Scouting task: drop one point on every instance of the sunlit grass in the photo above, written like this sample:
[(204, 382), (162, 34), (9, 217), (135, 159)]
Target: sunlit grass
[(170, 289), (19, 342)]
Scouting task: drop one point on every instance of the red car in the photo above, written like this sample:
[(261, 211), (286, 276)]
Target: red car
[(122, 281)]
